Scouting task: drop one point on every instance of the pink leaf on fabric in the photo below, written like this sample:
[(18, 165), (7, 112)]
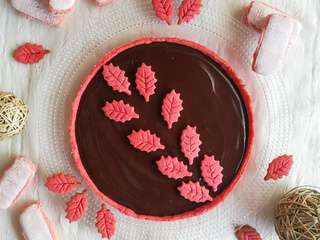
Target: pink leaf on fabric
[(77, 206), (105, 222), (247, 232), (211, 171), (163, 9), (193, 192), (172, 167), (145, 81), (119, 111), (279, 167), (145, 141), (171, 108), (116, 79), (188, 10), (62, 183), (30, 53), (190, 143)]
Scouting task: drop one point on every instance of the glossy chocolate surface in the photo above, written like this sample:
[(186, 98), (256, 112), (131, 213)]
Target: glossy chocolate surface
[(211, 103)]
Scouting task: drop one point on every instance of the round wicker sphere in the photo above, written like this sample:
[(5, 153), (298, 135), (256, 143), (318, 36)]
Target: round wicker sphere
[(297, 215), (13, 115)]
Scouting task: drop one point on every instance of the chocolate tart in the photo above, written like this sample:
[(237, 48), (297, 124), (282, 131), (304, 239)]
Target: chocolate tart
[(214, 100)]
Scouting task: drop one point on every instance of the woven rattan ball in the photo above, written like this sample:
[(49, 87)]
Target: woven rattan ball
[(13, 115), (297, 214)]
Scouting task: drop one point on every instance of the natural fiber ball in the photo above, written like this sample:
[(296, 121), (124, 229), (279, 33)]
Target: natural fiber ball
[(298, 215), (13, 115)]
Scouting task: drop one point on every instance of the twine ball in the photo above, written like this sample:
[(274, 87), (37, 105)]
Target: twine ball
[(297, 215), (13, 115)]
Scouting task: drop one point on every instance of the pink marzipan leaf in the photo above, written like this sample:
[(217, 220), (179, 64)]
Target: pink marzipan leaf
[(145, 81), (193, 192), (190, 143), (119, 111), (62, 183), (279, 167), (145, 141), (171, 108), (105, 222), (247, 232), (30, 53), (116, 79), (188, 10), (163, 9), (172, 167), (211, 171), (77, 206)]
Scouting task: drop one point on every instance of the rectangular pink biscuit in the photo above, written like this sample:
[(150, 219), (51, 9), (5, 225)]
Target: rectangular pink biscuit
[(15, 180), (37, 9), (273, 44), (257, 16), (35, 224)]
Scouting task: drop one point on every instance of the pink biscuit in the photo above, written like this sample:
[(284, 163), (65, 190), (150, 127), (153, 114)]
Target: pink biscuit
[(257, 17), (273, 44), (15, 180), (35, 224), (61, 6), (102, 2), (37, 9)]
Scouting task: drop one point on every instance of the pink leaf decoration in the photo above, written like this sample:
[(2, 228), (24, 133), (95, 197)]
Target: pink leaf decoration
[(145, 81), (119, 111), (105, 222), (211, 171), (163, 9), (279, 167), (193, 192), (77, 206), (145, 141), (190, 143), (188, 10), (115, 77), (30, 53), (171, 108), (172, 167), (61, 183), (247, 232)]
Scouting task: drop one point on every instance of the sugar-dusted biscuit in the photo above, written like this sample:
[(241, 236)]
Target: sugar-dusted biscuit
[(35, 224), (37, 10), (15, 180), (273, 44), (61, 6)]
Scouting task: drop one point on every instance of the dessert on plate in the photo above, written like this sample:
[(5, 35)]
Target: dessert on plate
[(162, 129)]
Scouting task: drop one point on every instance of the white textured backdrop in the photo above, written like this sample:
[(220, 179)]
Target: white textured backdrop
[(287, 108)]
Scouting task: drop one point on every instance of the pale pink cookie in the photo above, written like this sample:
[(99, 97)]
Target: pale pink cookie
[(172, 167), (102, 2), (257, 17), (37, 10), (15, 180), (273, 45), (211, 171), (119, 111), (145, 141), (61, 6), (35, 224), (171, 108), (190, 143)]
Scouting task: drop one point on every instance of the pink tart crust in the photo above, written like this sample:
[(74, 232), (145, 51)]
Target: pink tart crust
[(230, 72)]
